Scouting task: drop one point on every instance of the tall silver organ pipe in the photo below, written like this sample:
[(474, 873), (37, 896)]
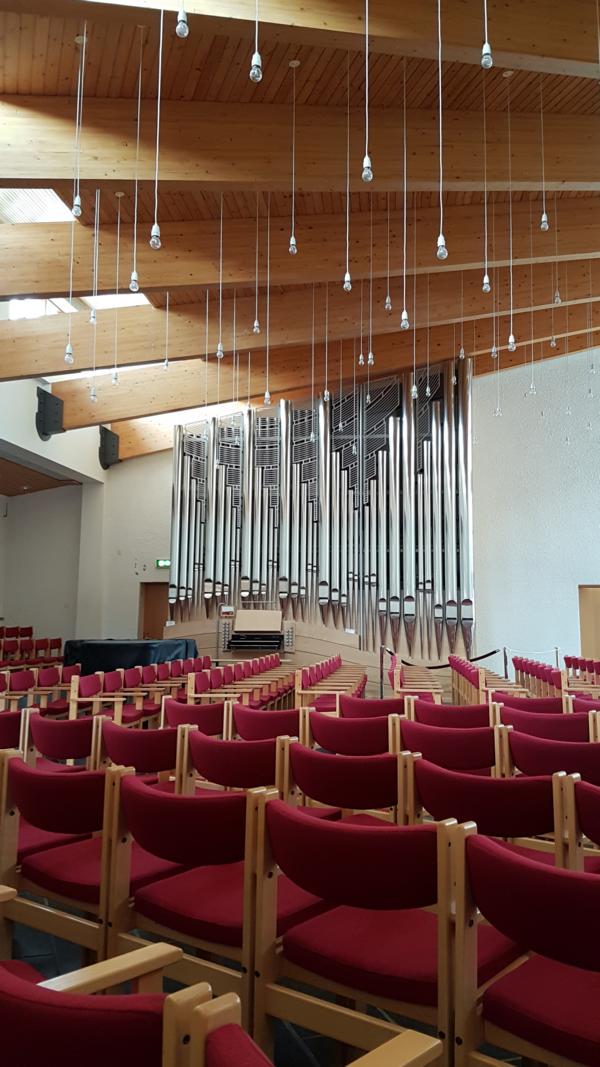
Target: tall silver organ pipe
[(365, 524)]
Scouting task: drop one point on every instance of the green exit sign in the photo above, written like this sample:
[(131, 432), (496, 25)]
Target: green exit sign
[(162, 563)]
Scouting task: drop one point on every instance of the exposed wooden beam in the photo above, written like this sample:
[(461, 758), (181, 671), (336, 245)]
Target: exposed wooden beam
[(544, 35), (35, 257), (140, 437), (247, 146), (153, 391), (35, 348)]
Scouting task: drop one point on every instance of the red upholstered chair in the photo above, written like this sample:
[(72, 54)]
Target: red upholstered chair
[(359, 708), (25, 631), (62, 1021), (543, 705), (209, 761), (55, 744), (349, 737), (55, 650), (581, 804), (41, 649), (218, 1040), (256, 725), (378, 945), (212, 719), (554, 727), (547, 1008), (537, 755), (210, 906), (114, 703), (456, 716), (138, 695), (51, 692), (367, 788), (11, 631), (10, 730), (20, 687), (471, 750), (10, 651), (26, 649), (150, 752), (3, 688), (519, 809)]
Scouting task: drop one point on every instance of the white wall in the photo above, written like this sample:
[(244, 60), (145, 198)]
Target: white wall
[(3, 547), (536, 493), (41, 560)]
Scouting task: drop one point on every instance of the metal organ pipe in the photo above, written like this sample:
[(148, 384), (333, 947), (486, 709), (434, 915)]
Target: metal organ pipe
[(175, 514), (324, 526)]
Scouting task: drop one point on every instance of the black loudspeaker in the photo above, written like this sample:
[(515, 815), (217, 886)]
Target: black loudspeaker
[(108, 453), (49, 414)]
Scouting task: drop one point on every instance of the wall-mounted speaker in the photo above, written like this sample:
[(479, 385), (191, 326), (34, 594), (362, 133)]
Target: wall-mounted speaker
[(108, 453), (49, 414)]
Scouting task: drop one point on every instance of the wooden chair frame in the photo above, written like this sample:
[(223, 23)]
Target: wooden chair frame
[(187, 779), (227, 715), (577, 847), (350, 1027), (189, 969), (11, 701), (31, 754), (56, 916)]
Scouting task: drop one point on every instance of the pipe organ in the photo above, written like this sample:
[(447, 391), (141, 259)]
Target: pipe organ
[(356, 512)]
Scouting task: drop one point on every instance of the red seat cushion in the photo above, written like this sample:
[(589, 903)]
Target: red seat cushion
[(33, 840), (207, 903), (325, 703), (230, 1046), (387, 953), (551, 1005), (318, 812), (150, 707), (73, 870), (130, 714), (60, 706), (42, 764), (22, 970)]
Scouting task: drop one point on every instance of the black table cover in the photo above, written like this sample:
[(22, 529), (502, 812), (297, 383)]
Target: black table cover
[(107, 655)]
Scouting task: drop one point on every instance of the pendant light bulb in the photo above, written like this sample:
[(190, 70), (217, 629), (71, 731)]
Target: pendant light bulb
[(404, 323), (498, 412), (370, 360), (115, 377), (165, 365), (93, 395), (368, 398), (155, 241), (557, 297), (312, 437), (361, 360), (553, 342), (367, 171), (354, 448), (293, 249), (76, 209), (256, 326), (347, 282), (414, 393), (256, 71), (388, 304), (220, 350), (487, 59), (532, 389), (326, 396), (267, 400), (428, 391), (182, 29), (134, 285), (461, 352), (494, 352), (442, 251), (486, 286), (512, 344), (69, 353), (92, 318), (544, 223)]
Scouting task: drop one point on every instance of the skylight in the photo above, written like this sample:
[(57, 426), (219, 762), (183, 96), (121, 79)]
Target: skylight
[(32, 205), (105, 301)]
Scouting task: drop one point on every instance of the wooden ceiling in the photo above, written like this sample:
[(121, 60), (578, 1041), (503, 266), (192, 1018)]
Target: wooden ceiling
[(225, 140), (16, 480)]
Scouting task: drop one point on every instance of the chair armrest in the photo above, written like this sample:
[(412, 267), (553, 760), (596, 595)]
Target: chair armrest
[(409, 1049), (7, 893), (125, 968)]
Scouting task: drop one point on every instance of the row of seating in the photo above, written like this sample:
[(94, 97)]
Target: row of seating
[(584, 670), (470, 684), (48, 687), (16, 651), (413, 679), (335, 935), (543, 680), (322, 684), (16, 631)]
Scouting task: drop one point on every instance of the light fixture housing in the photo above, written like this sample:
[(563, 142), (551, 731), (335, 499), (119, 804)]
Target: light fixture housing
[(220, 350), (76, 209), (512, 344), (182, 29), (544, 223), (293, 248), (557, 297), (442, 251), (487, 59), (370, 359), (155, 241), (326, 396), (414, 393), (461, 352), (134, 284), (428, 391), (494, 352), (367, 169), (256, 326), (267, 398), (404, 323), (93, 395), (388, 304), (486, 285), (115, 377), (361, 360), (69, 353), (553, 342), (92, 318), (256, 71), (368, 398), (347, 282)]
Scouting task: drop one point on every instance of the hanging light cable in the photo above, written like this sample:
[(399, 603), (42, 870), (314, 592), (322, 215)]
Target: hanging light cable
[(256, 71), (115, 373), (544, 223), (487, 59), (267, 397), (461, 351), (312, 371), (256, 324), (485, 285), (388, 300), (361, 357), (134, 283), (165, 365), (293, 247), (206, 350), (442, 251), (367, 168), (155, 231), (340, 420), (234, 343), (69, 358), (404, 323), (95, 261), (512, 344), (428, 386), (326, 393), (354, 419), (495, 293), (371, 357), (557, 296), (181, 26), (220, 349), (347, 279), (248, 378), (553, 342), (532, 388), (81, 41), (414, 391)]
